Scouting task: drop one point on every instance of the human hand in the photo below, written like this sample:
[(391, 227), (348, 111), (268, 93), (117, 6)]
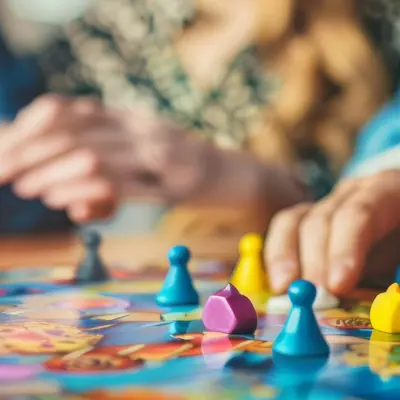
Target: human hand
[(329, 243), (76, 155)]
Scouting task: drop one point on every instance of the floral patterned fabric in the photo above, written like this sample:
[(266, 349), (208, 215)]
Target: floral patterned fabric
[(129, 60), (122, 51)]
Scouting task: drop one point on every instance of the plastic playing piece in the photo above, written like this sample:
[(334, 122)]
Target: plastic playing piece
[(228, 311), (323, 301), (178, 289), (179, 327), (249, 276), (385, 310), (91, 269), (301, 335)]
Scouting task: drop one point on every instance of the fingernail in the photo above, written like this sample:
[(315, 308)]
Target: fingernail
[(283, 273), (340, 271)]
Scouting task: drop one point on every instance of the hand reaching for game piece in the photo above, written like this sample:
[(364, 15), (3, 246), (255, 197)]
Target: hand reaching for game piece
[(329, 243), (77, 155)]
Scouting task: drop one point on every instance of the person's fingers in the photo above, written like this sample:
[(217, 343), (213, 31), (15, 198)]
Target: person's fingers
[(97, 190), (41, 116), (281, 251), (35, 153), (382, 261), (78, 164), (43, 150), (86, 105), (315, 232), (84, 213), (368, 215)]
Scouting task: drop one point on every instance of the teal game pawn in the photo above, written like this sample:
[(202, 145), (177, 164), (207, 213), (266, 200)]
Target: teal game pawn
[(178, 289), (301, 335)]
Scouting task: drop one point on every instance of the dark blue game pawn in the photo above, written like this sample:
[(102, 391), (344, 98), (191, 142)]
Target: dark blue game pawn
[(178, 289), (301, 335), (91, 269)]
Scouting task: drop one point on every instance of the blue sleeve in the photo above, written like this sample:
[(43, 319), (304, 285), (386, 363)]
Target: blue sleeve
[(382, 133)]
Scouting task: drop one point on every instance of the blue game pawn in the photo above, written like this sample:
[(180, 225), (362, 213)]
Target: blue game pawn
[(301, 335), (91, 269), (178, 289)]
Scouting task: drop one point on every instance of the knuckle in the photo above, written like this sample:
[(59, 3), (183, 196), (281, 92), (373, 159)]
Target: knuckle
[(90, 161), (67, 140), (53, 104), (346, 183), (314, 222), (360, 212), (87, 105), (289, 217), (282, 218), (392, 177)]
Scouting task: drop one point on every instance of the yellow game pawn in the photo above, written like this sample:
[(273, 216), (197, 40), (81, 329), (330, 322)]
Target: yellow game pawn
[(249, 276), (385, 310)]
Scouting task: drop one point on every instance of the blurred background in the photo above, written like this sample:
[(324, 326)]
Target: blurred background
[(29, 26), (320, 71)]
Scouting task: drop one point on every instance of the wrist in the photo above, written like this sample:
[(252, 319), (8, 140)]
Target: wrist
[(232, 179)]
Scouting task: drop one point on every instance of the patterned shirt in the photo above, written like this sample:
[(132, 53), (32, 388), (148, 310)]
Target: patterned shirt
[(123, 52)]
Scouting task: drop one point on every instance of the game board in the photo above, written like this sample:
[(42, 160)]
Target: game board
[(111, 341)]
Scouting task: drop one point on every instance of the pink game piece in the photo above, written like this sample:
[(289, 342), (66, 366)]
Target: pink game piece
[(228, 311)]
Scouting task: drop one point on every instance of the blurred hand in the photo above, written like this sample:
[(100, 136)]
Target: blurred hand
[(76, 155), (328, 243)]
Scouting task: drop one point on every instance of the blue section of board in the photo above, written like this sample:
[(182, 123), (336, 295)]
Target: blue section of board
[(113, 341)]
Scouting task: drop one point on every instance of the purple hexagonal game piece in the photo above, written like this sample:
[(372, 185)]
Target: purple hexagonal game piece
[(228, 311)]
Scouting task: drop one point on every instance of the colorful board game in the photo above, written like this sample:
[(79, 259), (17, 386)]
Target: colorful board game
[(111, 341)]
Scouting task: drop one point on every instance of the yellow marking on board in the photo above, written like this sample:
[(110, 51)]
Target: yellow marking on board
[(131, 350), (98, 328), (182, 316), (142, 316), (181, 349), (110, 317), (336, 313), (258, 346), (78, 353), (163, 356), (241, 345)]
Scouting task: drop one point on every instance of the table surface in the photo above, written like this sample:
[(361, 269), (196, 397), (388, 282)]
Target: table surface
[(129, 251)]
